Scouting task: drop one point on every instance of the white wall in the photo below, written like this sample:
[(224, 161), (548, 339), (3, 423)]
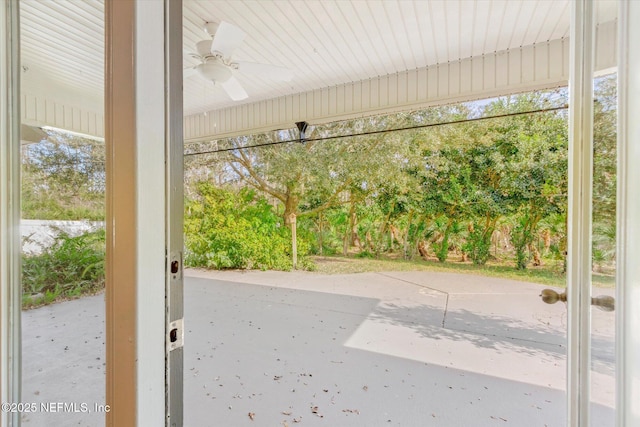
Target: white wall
[(38, 234)]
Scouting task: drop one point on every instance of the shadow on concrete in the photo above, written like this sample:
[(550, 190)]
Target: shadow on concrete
[(278, 353), (494, 332)]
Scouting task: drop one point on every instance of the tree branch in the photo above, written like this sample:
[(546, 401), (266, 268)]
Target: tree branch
[(331, 202), (256, 180)]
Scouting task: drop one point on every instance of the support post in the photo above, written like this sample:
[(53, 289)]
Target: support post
[(579, 215), (628, 218), (294, 240), (10, 286)]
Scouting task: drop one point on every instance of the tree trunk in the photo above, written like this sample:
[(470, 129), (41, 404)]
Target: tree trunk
[(546, 236), (383, 228), (395, 234), (536, 255), (369, 241), (290, 208), (406, 237), (354, 239), (345, 243), (422, 249)]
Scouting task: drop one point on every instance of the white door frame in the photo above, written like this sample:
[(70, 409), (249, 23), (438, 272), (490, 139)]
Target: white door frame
[(10, 287), (141, 183), (143, 129), (628, 217), (579, 214)]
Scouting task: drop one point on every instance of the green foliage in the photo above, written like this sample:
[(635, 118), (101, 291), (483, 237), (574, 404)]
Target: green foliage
[(409, 191), (547, 274), (71, 267), (63, 178), (448, 228), (51, 208), (521, 238), (365, 254), (226, 229), (321, 233), (604, 171), (442, 248), (478, 245), (604, 242)]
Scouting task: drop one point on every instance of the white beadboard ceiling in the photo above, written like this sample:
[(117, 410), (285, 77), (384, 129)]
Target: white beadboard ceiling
[(325, 42)]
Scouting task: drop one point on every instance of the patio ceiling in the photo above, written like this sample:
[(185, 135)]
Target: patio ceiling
[(328, 43), (325, 44)]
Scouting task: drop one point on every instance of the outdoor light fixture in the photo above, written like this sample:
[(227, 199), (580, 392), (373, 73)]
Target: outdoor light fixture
[(302, 127)]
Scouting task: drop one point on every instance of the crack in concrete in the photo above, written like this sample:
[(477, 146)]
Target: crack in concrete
[(446, 302)]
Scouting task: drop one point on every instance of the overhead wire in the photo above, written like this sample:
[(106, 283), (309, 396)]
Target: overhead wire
[(367, 133), (377, 132)]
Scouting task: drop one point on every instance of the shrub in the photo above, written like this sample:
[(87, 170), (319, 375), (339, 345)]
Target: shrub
[(521, 237), (225, 229), (478, 245), (366, 254), (449, 231), (71, 267)]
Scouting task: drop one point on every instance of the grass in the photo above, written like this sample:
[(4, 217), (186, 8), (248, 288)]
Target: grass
[(53, 209), (74, 267), (547, 274)]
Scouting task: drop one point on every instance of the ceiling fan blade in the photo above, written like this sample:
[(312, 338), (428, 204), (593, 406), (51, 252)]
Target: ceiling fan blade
[(234, 89), (227, 38), (189, 55), (274, 72), (188, 72)]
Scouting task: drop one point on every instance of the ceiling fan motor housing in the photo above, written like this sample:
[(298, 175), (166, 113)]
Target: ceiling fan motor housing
[(204, 48)]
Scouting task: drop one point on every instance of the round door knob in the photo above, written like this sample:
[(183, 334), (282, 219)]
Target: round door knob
[(603, 302), (551, 297)]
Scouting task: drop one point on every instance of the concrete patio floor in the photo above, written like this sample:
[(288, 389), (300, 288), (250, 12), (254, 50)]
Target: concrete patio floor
[(371, 349)]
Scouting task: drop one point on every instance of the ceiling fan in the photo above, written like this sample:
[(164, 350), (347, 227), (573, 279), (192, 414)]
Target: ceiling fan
[(217, 65)]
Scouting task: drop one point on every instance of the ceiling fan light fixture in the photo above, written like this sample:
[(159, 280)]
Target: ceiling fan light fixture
[(214, 70), (211, 28)]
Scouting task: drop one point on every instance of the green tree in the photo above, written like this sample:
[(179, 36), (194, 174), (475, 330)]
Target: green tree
[(535, 157), (447, 187), (63, 177), (486, 198), (604, 169)]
